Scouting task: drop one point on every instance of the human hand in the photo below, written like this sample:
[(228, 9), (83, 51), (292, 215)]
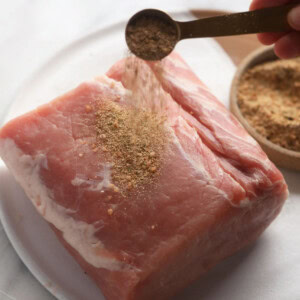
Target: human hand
[(287, 45)]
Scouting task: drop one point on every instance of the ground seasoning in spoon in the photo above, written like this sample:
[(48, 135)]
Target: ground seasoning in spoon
[(151, 38), (269, 98)]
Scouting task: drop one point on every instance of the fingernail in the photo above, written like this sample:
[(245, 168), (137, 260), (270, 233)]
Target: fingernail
[(294, 18)]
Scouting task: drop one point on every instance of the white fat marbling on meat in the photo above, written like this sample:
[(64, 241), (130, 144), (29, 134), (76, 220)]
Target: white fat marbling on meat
[(200, 168), (245, 202), (94, 185), (233, 137), (191, 88), (114, 87), (263, 161), (78, 234), (191, 133), (178, 63)]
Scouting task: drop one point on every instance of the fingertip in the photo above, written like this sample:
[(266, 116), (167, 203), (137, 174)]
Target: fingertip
[(279, 52), (294, 18), (263, 38), (269, 38), (288, 46), (254, 5), (258, 4)]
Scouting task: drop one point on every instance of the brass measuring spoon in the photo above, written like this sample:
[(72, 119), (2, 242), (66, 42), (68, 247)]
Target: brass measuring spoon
[(272, 19)]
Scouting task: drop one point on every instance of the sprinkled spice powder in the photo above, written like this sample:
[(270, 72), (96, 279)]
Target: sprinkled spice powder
[(269, 98), (133, 142), (151, 38), (146, 93)]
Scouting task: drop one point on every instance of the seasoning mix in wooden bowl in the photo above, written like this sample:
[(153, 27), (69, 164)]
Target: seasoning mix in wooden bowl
[(268, 96)]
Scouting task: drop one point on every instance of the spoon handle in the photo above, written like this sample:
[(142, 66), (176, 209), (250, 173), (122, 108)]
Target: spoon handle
[(271, 19)]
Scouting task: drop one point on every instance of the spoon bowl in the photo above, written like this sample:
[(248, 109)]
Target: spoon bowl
[(156, 17)]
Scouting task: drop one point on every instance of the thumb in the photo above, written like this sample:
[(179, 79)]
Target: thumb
[(294, 18)]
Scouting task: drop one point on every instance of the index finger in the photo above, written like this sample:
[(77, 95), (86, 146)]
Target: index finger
[(258, 4)]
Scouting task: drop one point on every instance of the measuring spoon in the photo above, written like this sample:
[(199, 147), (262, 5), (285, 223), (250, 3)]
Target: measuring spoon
[(272, 19)]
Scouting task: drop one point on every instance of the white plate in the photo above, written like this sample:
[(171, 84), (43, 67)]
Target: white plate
[(260, 272)]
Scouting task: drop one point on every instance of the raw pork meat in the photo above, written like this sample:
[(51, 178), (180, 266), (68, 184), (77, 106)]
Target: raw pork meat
[(215, 194)]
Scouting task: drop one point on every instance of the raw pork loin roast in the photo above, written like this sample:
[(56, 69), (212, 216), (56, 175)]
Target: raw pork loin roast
[(145, 225)]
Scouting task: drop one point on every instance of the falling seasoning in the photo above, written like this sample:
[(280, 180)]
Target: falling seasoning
[(269, 99)]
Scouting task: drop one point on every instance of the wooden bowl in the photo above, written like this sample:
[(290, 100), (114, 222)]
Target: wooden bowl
[(280, 156)]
